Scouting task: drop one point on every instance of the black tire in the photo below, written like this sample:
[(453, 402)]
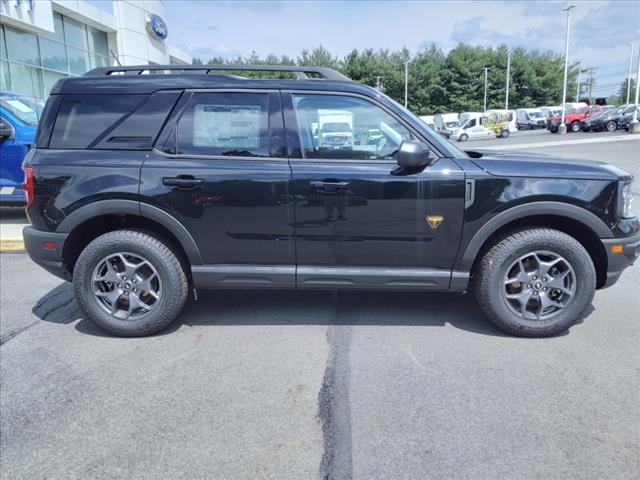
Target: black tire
[(160, 254), (492, 269), (611, 126), (575, 127), (463, 138)]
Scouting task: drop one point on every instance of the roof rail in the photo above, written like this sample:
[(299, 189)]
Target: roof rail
[(302, 73)]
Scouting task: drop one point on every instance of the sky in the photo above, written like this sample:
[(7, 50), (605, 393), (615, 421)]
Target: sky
[(599, 29)]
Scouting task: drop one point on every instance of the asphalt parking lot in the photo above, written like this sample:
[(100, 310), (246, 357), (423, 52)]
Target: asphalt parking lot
[(322, 384)]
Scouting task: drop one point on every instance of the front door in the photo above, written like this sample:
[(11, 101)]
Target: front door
[(361, 221), (223, 174)]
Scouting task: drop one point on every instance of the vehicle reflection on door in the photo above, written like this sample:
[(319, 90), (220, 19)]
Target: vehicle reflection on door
[(335, 196)]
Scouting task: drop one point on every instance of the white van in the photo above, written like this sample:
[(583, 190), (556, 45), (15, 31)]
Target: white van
[(551, 111), (511, 115), (530, 118), (466, 116), (472, 129), (428, 119), (446, 123), (571, 107)]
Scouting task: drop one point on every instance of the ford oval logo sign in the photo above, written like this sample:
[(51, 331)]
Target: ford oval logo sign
[(157, 28)]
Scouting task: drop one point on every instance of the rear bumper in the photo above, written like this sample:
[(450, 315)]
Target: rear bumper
[(50, 260), (618, 262)]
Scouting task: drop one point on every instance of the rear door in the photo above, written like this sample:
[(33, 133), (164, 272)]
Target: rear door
[(221, 170), (361, 221)]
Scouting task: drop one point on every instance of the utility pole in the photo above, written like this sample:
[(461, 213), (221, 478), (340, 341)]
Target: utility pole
[(562, 128), (590, 84), (578, 89), (506, 95), (406, 83), (486, 69), (630, 67), (378, 78), (634, 127)]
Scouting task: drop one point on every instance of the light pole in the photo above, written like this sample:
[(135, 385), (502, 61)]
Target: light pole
[(486, 69), (635, 125), (562, 128), (578, 89), (506, 95), (630, 67), (406, 83)]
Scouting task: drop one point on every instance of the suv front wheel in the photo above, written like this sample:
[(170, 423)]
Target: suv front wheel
[(536, 283), (130, 283)]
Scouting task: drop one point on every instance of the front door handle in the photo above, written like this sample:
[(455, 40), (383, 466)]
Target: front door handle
[(183, 181), (329, 186)]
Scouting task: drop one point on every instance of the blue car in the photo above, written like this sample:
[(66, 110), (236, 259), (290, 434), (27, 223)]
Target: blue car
[(19, 116)]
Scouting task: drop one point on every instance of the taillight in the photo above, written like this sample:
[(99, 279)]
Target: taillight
[(27, 186)]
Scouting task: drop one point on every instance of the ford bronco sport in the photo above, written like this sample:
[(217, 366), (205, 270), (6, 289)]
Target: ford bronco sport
[(145, 185)]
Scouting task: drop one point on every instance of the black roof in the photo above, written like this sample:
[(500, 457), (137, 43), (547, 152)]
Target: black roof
[(146, 79)]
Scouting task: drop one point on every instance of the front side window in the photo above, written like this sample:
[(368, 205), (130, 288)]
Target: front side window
[(228, 124), (342, 127)]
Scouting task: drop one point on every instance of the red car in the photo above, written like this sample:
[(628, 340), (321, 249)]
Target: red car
[(572, 120)]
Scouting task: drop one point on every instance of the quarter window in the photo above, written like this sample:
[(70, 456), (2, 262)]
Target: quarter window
[(230, 124), (343, 127), (83, 119)]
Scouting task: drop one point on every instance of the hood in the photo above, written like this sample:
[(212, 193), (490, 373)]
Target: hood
[(506, 164)]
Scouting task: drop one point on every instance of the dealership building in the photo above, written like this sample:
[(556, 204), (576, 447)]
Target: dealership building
[(44, 40)]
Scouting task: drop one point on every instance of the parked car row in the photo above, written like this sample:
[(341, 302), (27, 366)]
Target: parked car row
[(609, 120)]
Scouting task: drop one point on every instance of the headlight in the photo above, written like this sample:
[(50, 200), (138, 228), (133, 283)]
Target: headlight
[(625, 200)]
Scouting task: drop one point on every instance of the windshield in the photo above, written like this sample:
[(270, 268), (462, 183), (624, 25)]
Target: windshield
[(452, 124), (536, 115), (28, 110), (336, 127), (435, 138)]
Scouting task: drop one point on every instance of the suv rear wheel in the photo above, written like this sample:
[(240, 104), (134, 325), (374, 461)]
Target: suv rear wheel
[(130, 283), (536, 283)]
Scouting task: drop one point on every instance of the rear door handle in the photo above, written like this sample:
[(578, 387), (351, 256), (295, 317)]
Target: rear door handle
[(183, 181), (329, 185)]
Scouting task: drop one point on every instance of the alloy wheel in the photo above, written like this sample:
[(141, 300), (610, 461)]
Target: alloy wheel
[(539, 285), (126, 286)]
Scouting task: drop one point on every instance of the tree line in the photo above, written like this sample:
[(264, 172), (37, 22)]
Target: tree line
[(443, 82)]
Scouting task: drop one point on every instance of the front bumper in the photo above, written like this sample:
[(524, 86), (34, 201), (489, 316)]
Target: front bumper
[(618, 262), (50, 260)]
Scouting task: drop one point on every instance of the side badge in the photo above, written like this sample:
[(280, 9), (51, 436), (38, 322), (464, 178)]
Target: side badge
[(434, 221)]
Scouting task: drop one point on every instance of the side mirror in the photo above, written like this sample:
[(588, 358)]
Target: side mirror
[(6, 131), (414, 154)]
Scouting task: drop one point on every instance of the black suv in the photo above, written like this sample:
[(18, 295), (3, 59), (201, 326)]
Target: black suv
[(146, 185)]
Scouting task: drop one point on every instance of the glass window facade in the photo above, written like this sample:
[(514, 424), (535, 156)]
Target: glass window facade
[(32, 63)]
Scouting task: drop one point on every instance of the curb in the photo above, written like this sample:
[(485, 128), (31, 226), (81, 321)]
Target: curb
[(11, 244)]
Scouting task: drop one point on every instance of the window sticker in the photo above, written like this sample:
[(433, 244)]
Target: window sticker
[(21, 107), (227, 126)]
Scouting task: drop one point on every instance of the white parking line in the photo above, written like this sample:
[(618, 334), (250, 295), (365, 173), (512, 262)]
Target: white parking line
[(581, 141)]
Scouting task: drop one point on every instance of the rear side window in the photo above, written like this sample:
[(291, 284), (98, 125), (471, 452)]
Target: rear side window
[(230, 124), (82, 119), (111, 122)]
